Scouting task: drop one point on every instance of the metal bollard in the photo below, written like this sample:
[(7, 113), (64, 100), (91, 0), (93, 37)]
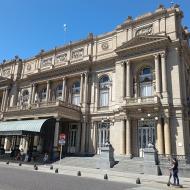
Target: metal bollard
[(35, 167), (20, 164), (138, 181), (56, 170), (51, 167), (106, 176), (7, 162), (79, 173)]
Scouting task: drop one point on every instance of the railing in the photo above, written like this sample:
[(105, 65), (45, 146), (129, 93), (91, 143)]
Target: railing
[(143, 100), (43, 105)]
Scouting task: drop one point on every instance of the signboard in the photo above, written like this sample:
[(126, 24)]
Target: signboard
[(62, 138), (62, 142)]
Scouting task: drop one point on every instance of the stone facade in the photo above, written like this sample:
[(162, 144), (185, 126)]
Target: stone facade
[(129, 86)]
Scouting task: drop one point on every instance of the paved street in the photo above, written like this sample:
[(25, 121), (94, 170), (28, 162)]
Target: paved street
[(19, 179)]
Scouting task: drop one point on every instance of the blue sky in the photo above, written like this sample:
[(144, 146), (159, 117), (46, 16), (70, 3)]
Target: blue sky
[(27, 26)]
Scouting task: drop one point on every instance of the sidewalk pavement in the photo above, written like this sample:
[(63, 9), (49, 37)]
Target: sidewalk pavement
[(159, 182)]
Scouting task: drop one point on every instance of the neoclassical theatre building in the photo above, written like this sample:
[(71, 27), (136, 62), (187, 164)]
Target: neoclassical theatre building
[(130, 86)]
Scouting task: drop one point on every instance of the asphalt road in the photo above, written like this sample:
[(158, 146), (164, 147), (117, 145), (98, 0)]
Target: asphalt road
[(19, 179)]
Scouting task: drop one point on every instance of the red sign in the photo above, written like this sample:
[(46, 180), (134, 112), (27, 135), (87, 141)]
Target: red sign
[(62, 136)]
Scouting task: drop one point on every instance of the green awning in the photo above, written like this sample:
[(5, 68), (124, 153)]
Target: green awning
[(22, 127)]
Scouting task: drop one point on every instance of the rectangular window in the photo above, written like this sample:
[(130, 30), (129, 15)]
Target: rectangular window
[(76, 99), (146, 90), (104, 98)]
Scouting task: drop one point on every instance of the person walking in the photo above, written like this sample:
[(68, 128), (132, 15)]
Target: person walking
[(174, 172)]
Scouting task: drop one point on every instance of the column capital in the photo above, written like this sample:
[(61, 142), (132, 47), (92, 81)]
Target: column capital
[(48, 81), (127, 61), (64, 78), (163, 55), (86, 73), (156, 56)]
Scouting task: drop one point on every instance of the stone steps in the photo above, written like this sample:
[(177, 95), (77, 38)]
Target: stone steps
[(123, 164)]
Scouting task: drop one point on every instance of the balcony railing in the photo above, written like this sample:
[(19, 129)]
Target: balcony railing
[(57, 103), (142, 100)]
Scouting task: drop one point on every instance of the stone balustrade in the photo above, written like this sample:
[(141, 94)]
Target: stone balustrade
[(57, 103), (142, 100)]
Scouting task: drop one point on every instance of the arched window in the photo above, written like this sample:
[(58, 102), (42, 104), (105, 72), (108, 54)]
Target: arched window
[(59, 89), (104, 91), (146, 82), (75, 92), (25, 96), (43, 94)]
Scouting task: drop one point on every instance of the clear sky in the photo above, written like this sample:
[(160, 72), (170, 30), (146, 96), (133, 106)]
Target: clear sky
[(27, 26)]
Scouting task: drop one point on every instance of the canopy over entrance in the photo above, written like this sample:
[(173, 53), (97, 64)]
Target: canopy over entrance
[(25, 127)]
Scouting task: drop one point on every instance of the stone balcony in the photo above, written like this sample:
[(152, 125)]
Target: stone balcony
[(148, 101), (58, 109)]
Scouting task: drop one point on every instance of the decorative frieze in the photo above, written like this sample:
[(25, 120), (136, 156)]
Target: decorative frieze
[(146, 30), (46, 62), (6, 72), (77, 54), (61, 58), (105, 46)]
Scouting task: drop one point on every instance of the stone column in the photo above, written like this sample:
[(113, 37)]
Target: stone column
[(128, 138), (7, 144), (83, 138), (30, 95), (85, 88), (33, 93), (160, 137), (5, 99), (81, 89), (164, 74), (56, 135), (123, 137), (128, 87), (167, 136), (47, 91), (97, 96), (63, 89), (157, 74), (123, 81), (94, 137)]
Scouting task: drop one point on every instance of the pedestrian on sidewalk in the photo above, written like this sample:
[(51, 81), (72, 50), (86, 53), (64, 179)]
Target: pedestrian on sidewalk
[(46, 157), (174, 171)]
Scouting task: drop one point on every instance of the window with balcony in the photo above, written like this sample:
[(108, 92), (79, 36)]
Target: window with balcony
[(43, 94), (75, 92), (146, 82), (104, 85)]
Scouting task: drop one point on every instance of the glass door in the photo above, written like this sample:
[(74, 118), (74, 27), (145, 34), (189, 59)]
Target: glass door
[(146, 135), (103, 135), (72, 138)]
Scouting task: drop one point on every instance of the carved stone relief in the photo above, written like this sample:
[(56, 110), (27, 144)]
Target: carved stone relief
[(61, 58), (6, 72), (105, 46), (46, 62), (76, 54), (28, 67), (147, 30)]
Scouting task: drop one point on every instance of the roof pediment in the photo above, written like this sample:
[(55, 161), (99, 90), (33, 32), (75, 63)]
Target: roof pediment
[(142, 40)]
